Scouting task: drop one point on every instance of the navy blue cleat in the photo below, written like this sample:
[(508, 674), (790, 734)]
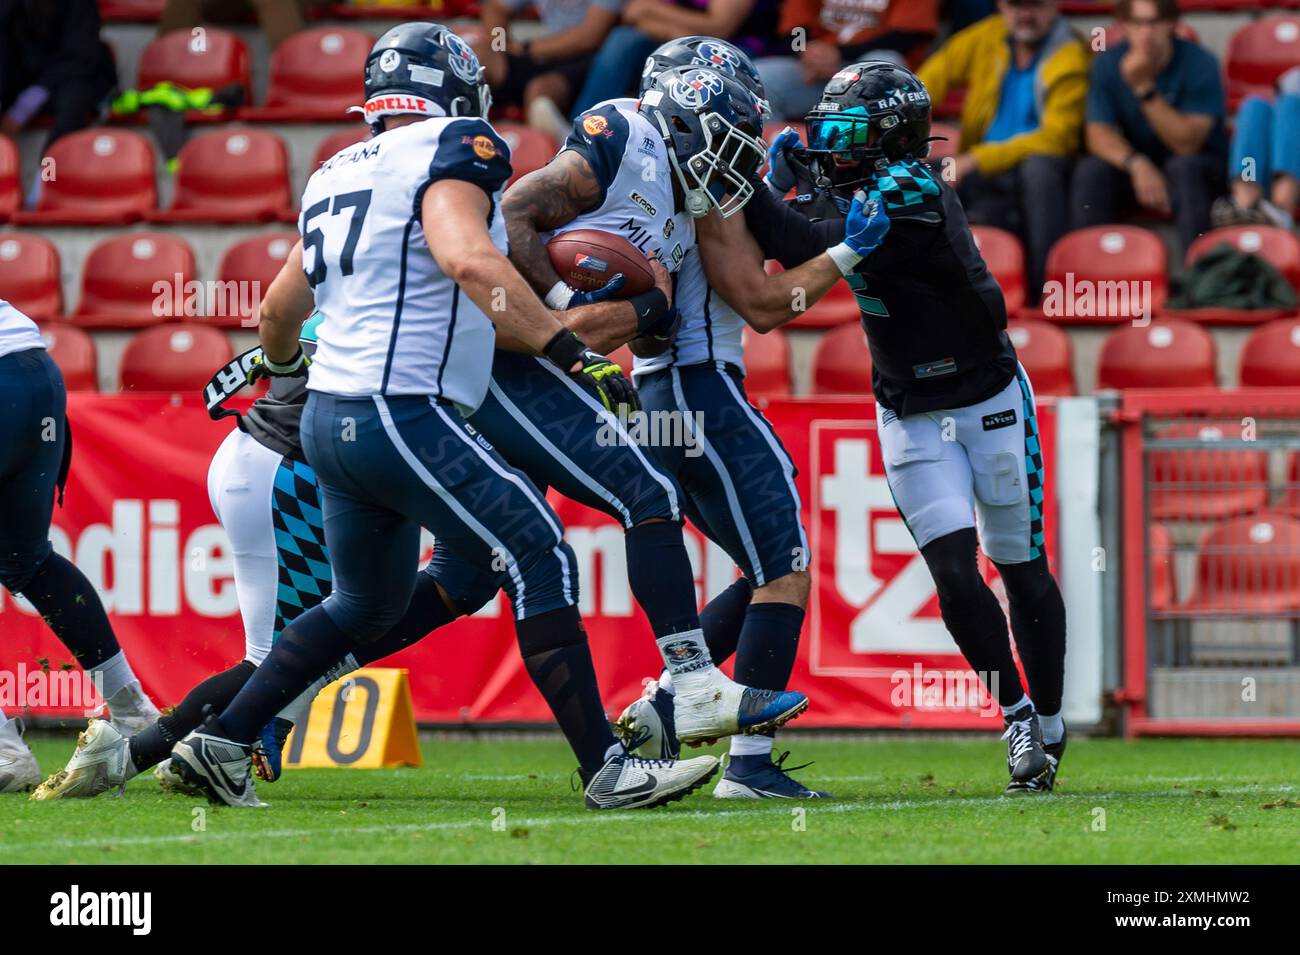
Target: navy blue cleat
[(268, 748), (758, 777)]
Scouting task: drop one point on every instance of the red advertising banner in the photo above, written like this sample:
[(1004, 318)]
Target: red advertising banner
[(138, 522)]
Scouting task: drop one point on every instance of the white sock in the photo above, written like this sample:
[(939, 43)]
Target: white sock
[(685, 653), (1024, 699), (751, 745), (115, 674), (666, 683), (9, 731), (296, 711), (1053, 727)]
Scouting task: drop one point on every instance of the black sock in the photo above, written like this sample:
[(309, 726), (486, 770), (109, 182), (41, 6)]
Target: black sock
[(769, 643), (659, 570), (723, 617), (68, 602), (151, 745), (558, 660), (306, 649), (424, 614), (972, 613), (1038, 625)]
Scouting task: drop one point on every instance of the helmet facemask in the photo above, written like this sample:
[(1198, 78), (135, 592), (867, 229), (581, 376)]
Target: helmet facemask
[(719, 176)]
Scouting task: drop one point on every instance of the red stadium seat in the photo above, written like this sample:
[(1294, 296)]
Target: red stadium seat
[(1271, 356), (767, 364), (177, 357), (1249, 565), (131, 11), (11, 190), (231, 175), (251, 264), (101, 177), (204, 56), (841, 364), (1099, 274), (74, 352), (1291, 497), (1162, 582), (530, 148), (1206, 483), (29, 275), (119, 277), (1045, 351), (1165, 354), (1006, 260), (1277, 246), (334, 142), (1258, 54), (315, 76)]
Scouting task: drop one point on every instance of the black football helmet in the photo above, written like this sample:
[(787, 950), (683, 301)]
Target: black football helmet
[(711, 53), (423, 68), (712, 127), (870, 114)]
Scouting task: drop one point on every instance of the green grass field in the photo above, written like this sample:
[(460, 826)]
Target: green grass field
[(899, 800)]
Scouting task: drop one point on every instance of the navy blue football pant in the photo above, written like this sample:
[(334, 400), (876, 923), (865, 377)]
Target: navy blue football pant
[(389, 466), (545, 423), (737, 477)]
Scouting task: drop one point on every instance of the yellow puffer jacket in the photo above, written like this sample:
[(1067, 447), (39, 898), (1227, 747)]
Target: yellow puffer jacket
[(977, 58)]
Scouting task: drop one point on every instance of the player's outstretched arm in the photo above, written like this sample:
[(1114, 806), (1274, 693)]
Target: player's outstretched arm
[(287, 303), (733, 263)]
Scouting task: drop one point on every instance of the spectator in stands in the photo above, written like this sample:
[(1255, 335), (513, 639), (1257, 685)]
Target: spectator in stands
[(544, 74), (750, 24), (52, 61), (279, 19), (1155, 134), (1026, 77), (827, 34), (1265, 160)]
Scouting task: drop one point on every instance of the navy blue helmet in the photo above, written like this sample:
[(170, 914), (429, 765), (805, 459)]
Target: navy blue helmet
[(711, 53), (712, 127), (423, 68)]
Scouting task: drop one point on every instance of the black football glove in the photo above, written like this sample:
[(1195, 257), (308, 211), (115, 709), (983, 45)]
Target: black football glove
[(616, 393)]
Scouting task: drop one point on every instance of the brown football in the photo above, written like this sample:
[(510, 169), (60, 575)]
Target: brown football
[(587, 258)]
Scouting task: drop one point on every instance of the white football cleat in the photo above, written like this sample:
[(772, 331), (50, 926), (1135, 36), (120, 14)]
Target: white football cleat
[(221, 767), (130, 710), (628, 782), (646, 726), (19, 771), (101, 761), (170, 781)]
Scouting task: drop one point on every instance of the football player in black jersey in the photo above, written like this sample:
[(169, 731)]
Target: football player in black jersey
[(955, 410)]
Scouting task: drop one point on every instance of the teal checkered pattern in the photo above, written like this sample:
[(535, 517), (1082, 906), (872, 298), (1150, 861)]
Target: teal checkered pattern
[(304, 563), (1033, 469), (905, 185)]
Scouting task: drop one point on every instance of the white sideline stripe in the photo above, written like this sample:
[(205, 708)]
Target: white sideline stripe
[(431, 482), (733, 502), (549, 447), (777, 808), (668, 486)]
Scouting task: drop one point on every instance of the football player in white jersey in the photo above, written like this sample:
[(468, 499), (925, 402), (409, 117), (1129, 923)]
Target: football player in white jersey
[(403, 251), (35, 454), (740, 491)]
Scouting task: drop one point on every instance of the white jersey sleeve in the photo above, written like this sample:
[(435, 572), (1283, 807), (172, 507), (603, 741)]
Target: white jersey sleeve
[(17, 331), (393, 323), (710, 329)]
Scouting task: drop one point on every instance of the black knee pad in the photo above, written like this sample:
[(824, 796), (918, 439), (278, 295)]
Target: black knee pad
[(550, 631), (954, 566)]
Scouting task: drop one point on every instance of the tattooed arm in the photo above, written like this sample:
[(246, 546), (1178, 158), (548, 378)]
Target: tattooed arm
[(547, 199)]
